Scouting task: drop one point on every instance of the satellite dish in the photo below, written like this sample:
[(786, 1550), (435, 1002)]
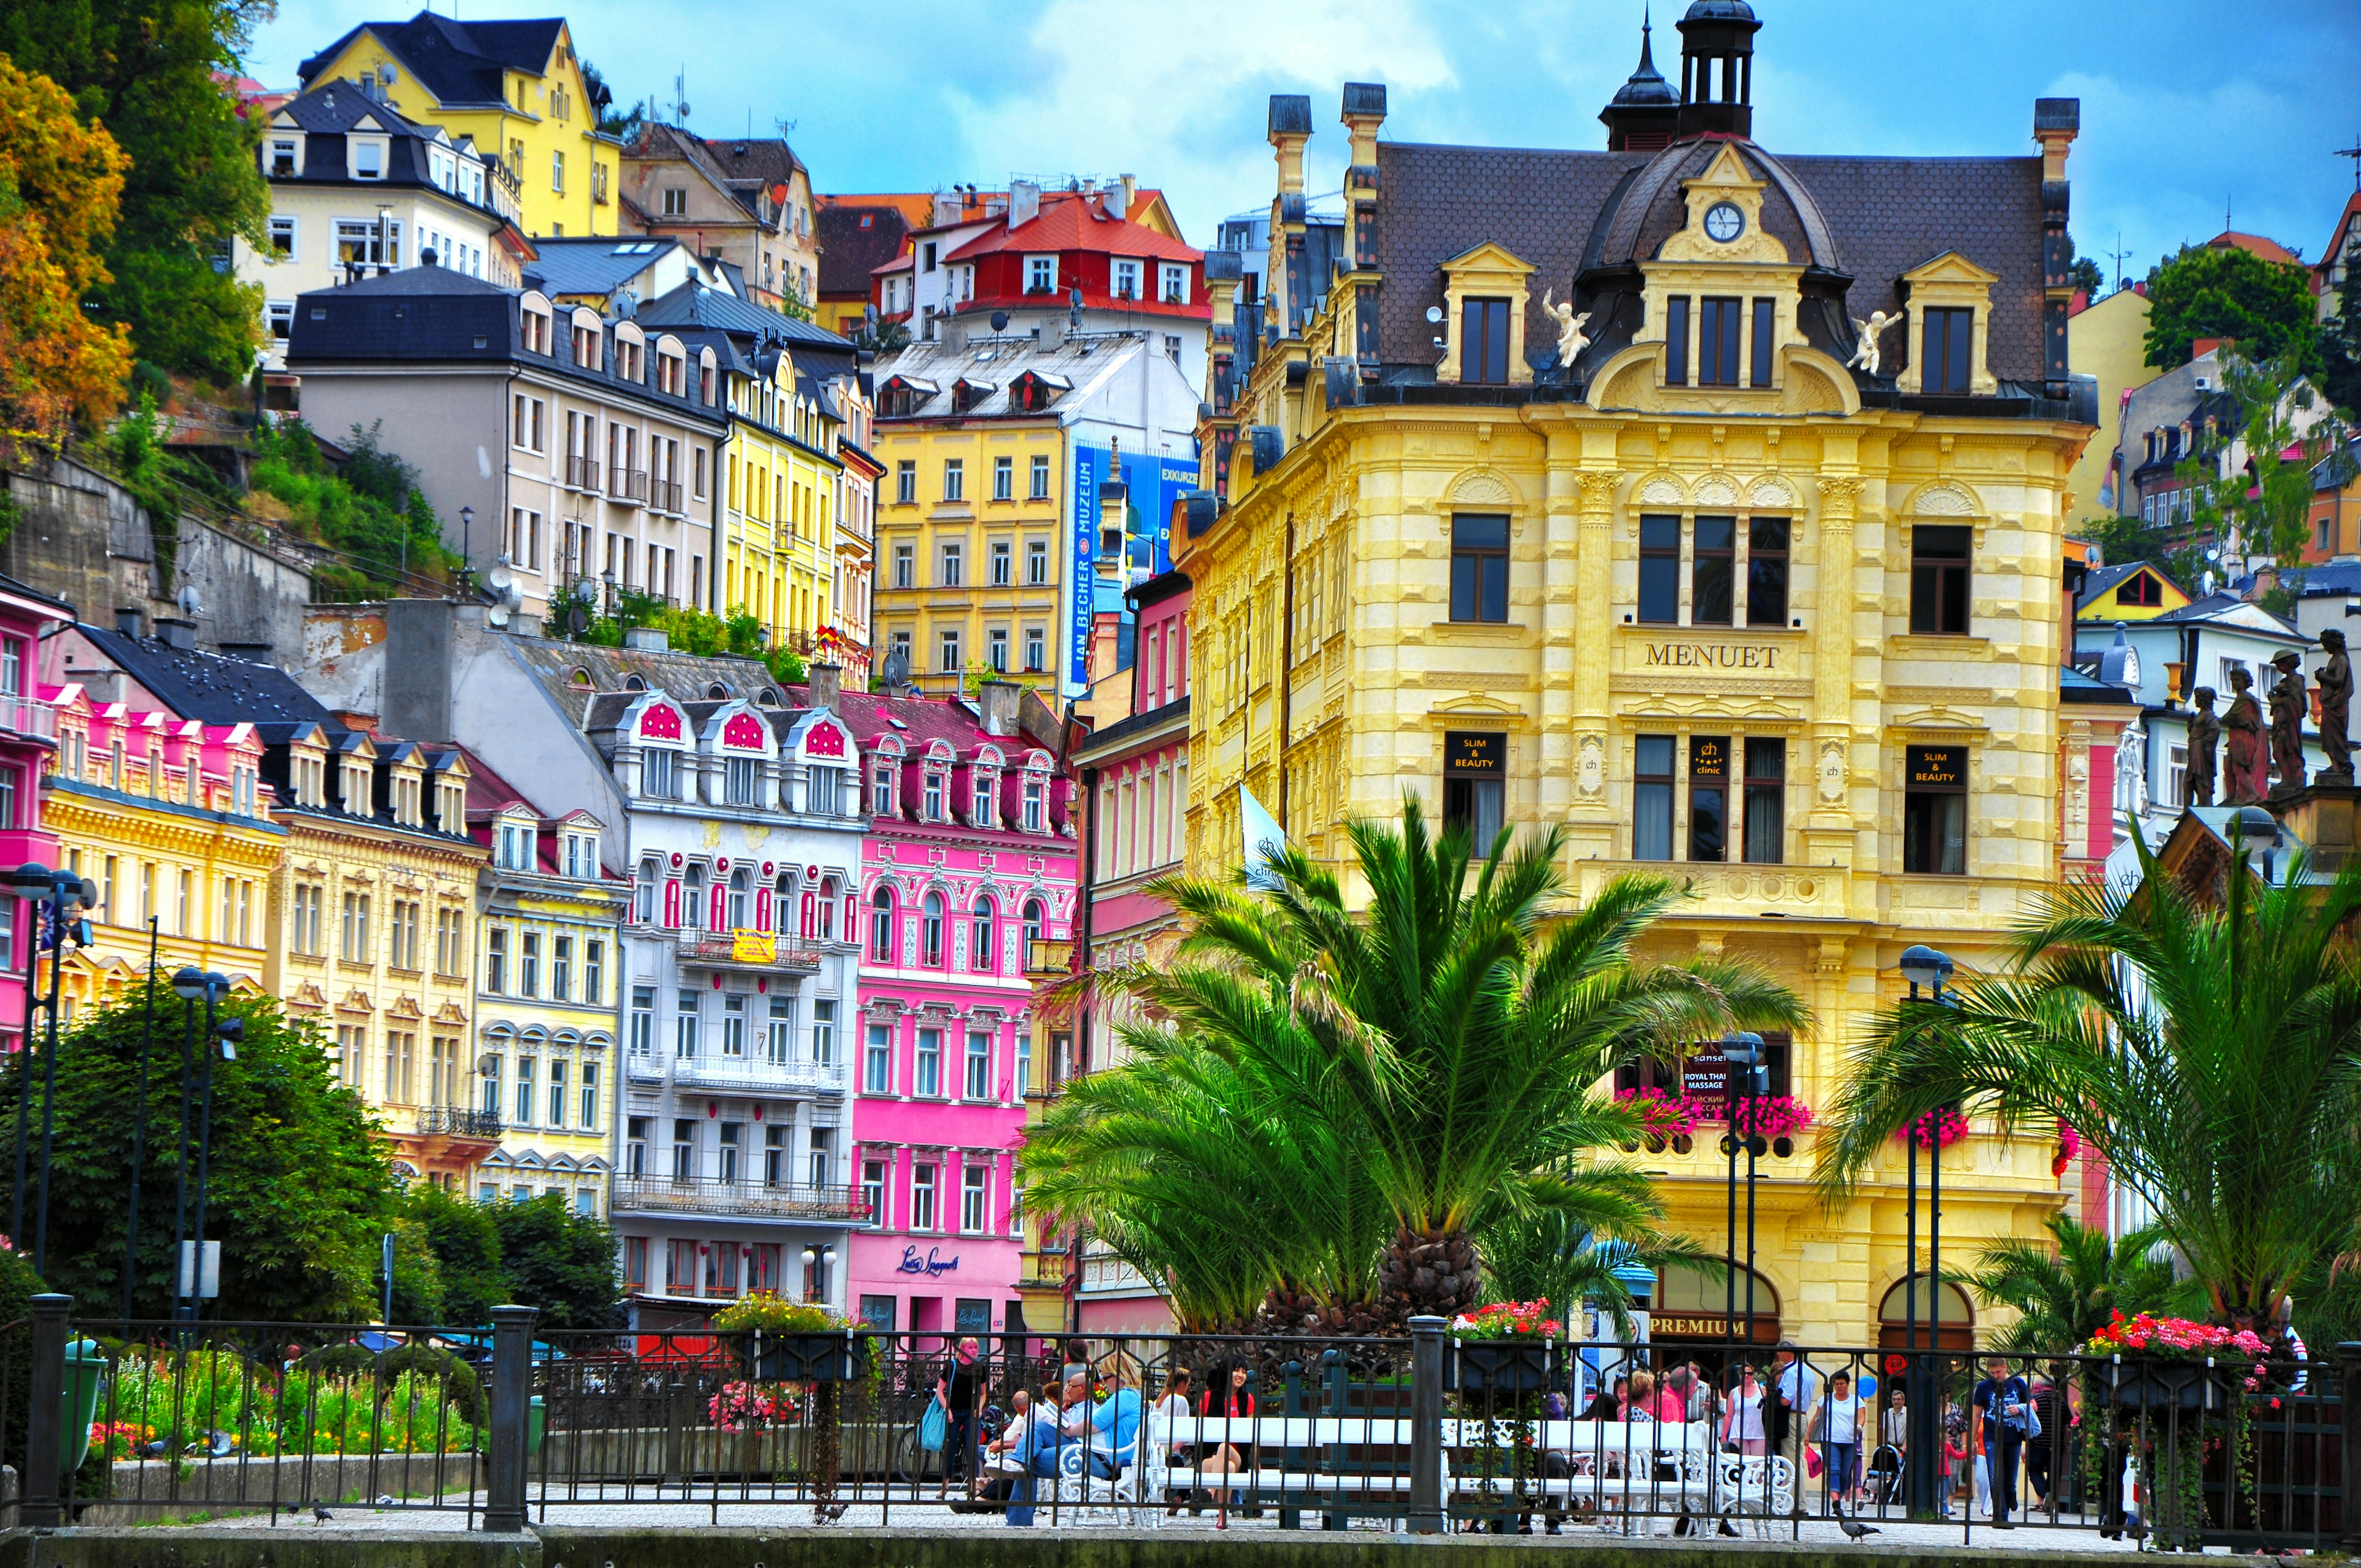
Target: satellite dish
[(895, 672), (576, 622), (1434, 315), (498, 616), (498, 579), (387, 74), (188, 599), (627, 303), (1000, 320)]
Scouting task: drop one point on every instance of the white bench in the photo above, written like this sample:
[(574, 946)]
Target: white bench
[(1317, 1464)]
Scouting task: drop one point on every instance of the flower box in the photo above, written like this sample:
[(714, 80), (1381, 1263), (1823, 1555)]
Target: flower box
[(2153, 1384), (1507, 1365), (825, 1357)]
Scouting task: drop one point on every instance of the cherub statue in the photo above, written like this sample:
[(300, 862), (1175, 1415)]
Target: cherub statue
[(1571, 339), (1864, 352)]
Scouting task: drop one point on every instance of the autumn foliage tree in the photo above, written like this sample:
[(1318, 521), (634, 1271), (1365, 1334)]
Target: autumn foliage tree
[(59, 183)]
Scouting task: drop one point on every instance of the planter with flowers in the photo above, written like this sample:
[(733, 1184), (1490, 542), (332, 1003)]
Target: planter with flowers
[(794, 1341), (1937, 1129), (2157, 1364), (2182, 1395), (1503, 1348)]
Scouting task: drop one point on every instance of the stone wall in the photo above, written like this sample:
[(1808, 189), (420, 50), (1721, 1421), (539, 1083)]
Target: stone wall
[(83, 539)]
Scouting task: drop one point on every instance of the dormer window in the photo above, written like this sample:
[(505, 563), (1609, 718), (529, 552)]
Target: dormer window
[(368, 158), (534, 330), (408, 798), (309, 777), (984, 789), (660, 774), (1040, 274), (359, 798), (630, 359), (1949, 334), (1175, 291), (283, 160), (512, 848), (934, 795), (453, 813), (581, 856), (880, 788), (589, 347), (1126, 278), (1035, 798), (672, 373)]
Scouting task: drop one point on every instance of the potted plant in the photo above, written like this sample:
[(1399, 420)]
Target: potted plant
[(794, 1341), (1503, 1347), (2155, 1362)]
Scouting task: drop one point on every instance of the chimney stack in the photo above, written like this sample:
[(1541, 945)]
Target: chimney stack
[(1024, 203), (826, 683), (996, 701), (131, 621), (181, 636)]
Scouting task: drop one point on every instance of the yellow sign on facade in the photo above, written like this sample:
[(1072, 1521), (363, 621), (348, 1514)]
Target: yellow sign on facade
[(753, 947)]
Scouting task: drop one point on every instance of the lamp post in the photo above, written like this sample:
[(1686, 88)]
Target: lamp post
[(1742, 1054), (1923, 966), (31, 883), (466, 543), (66, 890), (139, 1131), (190, 984)]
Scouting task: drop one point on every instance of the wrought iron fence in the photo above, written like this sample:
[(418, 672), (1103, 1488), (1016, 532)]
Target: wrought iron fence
[(1424, 1434)]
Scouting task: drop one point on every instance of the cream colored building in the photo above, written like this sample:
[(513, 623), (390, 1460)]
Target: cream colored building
[(1694, 578)]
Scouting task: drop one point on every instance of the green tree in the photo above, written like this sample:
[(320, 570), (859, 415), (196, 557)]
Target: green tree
[(2265, 307), (298, 1190), (2166, 546), (465, 1239), (1450, 1041), (372, 512), (561, 1261), (2070, 1288), (2210, 1050), (2340, 346), (147, 71), (2265, 504), (624, 123)]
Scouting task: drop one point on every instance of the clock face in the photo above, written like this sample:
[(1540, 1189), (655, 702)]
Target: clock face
[(1724, 222)]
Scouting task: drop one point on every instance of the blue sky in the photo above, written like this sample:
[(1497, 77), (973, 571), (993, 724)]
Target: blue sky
[(2186, 106)]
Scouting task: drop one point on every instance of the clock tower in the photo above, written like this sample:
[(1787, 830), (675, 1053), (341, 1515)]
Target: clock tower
[(1718, 68)]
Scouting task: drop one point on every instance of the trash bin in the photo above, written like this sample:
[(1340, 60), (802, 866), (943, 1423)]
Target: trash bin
[(86, 1371), (536, 1423)]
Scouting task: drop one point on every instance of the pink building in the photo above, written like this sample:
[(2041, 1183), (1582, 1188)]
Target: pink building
[(970, 860), (28, 737)]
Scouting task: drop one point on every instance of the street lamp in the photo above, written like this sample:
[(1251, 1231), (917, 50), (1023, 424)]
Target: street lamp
[(1923, 966), (63, 891), (466, 543), (190, 984), (816, 1262), (1741, 1055)]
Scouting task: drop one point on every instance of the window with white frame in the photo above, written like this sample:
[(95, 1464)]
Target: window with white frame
[(1175, 291), (284, 234), (976, 1199), (1040, 274), (1126, 278)]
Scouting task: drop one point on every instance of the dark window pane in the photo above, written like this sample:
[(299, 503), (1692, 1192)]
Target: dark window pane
[(1676, 341), (1495, 341), (1653, 757), (1710, 571), (1956, 362), (1463, 586), (1493, 599), (1660, 570), (1709, 797), (1479, 533), (1484, 341), (1935, 811), (1766, 792), (1717, 343), (1479, 568), (1764, 316), (1766, 571), (1938, 580), (1652, 798)]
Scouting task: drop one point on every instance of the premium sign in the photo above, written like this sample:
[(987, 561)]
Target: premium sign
[(1468, 752), (1711, 656), (1713, 1325)]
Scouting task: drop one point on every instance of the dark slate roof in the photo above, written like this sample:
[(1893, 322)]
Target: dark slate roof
[(854, 242), (11, 585), (2075, 686), (600, 266), (693, 304), (210, 687), (755, 161), (2216, 604), (2319, 582), (1570, 213), (460, 62), (432, 314)]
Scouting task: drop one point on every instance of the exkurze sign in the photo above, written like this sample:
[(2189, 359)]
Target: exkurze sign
[(1677, 655)]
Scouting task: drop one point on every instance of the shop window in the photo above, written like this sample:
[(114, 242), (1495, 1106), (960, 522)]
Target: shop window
[(1709, 798), (1473, 764), (1652, 798), (1938, 579), (1935, 811), (1479, 568)]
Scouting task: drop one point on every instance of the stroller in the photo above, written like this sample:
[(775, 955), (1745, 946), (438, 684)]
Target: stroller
[(1881, 1482)]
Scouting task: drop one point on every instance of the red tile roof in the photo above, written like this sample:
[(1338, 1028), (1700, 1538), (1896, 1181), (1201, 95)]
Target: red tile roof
[(2253, 243), (1066, 222)]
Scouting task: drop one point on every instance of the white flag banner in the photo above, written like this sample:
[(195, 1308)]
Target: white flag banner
[(1264, 839)]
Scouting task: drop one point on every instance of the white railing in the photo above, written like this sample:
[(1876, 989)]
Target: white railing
[(28, 716), (756, 1075)]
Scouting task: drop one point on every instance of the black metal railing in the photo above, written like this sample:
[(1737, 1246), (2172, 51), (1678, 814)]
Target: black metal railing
[(582, 473), (1428, 1432), (458, 1122)]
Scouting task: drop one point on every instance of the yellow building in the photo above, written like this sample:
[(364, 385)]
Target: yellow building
[(548, 983), (166, 818), (2131, 590), (782, 478), (372, 927), (1671, 573), (515, 88), (2106, 340)]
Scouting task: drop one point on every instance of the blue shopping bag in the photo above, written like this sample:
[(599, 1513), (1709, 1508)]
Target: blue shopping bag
[(931, 1427)]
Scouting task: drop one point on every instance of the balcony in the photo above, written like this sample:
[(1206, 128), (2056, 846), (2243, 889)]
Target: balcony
[(709, 950), (29, 717), (628, 485), (757, 1075), (644, 1067), (458, 1122), (665, 495), (582, 473), (739, 1200)]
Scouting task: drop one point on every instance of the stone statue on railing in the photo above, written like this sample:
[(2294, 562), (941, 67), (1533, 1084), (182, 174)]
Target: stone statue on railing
[(2205, 744), (2247, 754), (2289, 707), (2334, 679)]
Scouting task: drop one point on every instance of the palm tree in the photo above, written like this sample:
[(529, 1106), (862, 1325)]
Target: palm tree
[(2066, 1290), (1445, 1048), (1544, 1257), (2210, 1047)]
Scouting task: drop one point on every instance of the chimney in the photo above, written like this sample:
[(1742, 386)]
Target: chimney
[(826, 683), (996, 700), (251, 652), (181, 636), (1130, 190), (1024, 203), (647, 640), (1116, 200), (948, 206), (131, 621)]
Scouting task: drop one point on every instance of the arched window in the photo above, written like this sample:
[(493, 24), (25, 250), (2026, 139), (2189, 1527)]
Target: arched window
[(1894, 1313), (880, 926), (741, 899), (1033, 916), (692, 902), (930, 931), (981, 957), (644, 890), (828, 912)]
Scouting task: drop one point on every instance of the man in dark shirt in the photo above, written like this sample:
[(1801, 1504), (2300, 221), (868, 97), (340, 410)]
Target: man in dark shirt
[(2001, 1413)]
